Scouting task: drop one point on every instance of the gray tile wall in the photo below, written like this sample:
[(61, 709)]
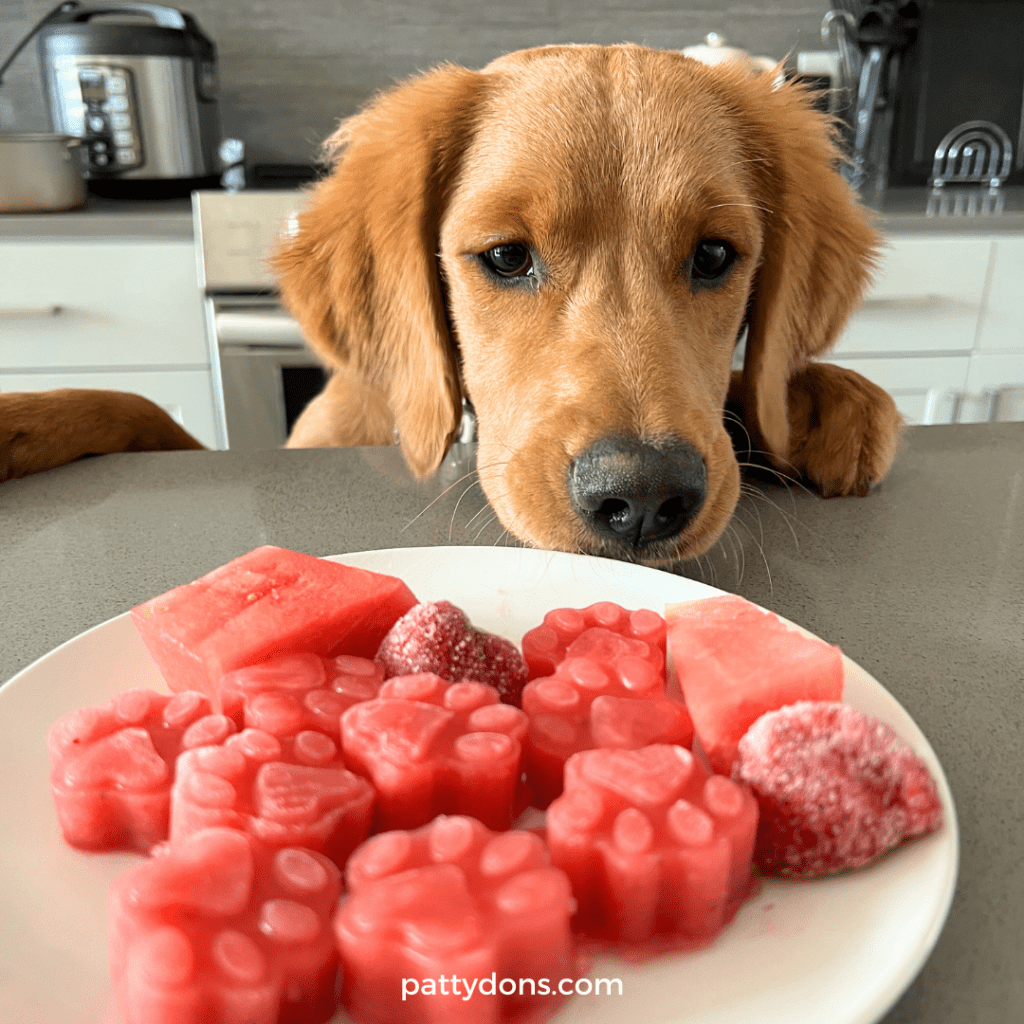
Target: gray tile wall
[(290, 69)]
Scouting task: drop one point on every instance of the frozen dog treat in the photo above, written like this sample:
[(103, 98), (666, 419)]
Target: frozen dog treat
[(283, 792), (453, 898), (433, 747), (437, 637), (268, 602), (836, 788), (608, 691), (658, 850), (293, 692), (112, 766), (545, 646), (736, 661), (217, 930)]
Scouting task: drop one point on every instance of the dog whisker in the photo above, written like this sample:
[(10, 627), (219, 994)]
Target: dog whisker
[(435, 500), (761, 551)]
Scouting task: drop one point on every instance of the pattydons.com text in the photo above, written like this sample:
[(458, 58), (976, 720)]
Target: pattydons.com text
[(467, 988)]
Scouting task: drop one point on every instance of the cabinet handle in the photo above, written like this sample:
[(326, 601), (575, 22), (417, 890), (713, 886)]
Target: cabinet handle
[(29, 312), (917, 303)]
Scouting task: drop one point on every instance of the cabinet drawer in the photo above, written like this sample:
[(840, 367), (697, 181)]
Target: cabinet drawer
[(1002, 326), (187, 395), (927, 297), (925, 389), (65, 305)]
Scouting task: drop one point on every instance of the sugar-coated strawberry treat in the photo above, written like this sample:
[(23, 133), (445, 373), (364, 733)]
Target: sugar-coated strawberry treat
[(545, 646), (283, 792), (292, 692), (430, 747), (438, 637), (268, 602), (836, 788), (608, 691), (217, 930), (658, 850), (735, 661), (112, 766), (453, 898)]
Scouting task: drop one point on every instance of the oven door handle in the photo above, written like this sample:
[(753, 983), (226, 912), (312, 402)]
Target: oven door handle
[(257, 327)]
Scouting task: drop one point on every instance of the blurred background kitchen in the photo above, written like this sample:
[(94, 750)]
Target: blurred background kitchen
[(132, 250)]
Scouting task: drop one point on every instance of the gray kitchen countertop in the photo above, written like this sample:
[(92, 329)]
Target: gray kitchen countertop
[(900, 211), (921, 582)]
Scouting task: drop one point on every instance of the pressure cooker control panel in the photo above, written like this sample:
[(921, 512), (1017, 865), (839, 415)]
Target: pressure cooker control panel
[(109, 117)]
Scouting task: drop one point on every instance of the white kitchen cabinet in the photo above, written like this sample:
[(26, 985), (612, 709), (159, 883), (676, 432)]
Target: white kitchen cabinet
[(187, 395), (86, 303), (994, 389), (1002, 324), (107, 312), (926, 298)]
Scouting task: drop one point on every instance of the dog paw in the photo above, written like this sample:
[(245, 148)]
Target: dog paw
[(844, 429)]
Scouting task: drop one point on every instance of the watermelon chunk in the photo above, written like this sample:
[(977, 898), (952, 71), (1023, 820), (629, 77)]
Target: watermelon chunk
[(735, 661), (269, 602)]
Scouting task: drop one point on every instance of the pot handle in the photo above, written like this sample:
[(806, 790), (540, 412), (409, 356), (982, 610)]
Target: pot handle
[(165, 17)]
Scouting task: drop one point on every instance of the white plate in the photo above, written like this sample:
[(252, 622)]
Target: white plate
[(840, 950)]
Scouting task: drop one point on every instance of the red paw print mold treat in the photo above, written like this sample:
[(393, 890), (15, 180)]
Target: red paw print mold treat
[(545, 646), (433, 747), (658, 850), (113, 765), (216, 930), (453, 899), (608, 691), (837, 788), (288, 694), (283, 792), (437, 637)]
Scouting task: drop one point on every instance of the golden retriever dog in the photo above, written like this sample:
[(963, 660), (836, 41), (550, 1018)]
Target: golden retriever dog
[(41, 430), (575, 238)]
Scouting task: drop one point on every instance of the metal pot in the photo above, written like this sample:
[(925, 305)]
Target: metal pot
[(40, 172)]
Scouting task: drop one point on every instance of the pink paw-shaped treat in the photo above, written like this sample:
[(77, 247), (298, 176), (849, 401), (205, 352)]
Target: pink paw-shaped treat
[(217, 930), (658, 850), (293, 692), (454, 899), (283, 792), (433, 747), (437, 637), (836, 788), (545, 646), (608, 691), (113, 765)]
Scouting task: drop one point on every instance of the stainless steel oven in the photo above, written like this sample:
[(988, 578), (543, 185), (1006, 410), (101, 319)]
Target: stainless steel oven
[(266, 375)]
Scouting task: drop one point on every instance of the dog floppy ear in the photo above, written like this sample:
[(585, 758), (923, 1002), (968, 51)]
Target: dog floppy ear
[(817, 256), (361, 275)]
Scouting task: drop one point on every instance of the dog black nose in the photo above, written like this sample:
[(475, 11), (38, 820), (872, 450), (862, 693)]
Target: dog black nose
[(637, 492)]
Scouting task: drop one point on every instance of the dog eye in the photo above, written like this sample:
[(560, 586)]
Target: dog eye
[(711, 260), (510, 259)]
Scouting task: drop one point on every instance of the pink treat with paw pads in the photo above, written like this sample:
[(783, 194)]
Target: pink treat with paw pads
[(283, 792), (437, 637), (434, 747), (113, 765), (658, 850), (608, 691), (215, 929), (837, 788), (545, 646), (293, 692), (453, 898)]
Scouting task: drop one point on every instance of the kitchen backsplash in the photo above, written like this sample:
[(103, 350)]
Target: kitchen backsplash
[(290, 69)]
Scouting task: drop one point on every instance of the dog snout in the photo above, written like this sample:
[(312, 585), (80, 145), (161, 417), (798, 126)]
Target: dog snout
[(637, 492)]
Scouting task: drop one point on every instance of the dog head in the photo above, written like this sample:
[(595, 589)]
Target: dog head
[(574, 238)]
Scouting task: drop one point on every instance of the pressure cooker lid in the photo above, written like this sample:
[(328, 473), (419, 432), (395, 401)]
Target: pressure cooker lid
[(118, 29)]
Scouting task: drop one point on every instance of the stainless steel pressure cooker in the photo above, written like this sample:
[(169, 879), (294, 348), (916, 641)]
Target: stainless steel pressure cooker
[(137, 82)]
